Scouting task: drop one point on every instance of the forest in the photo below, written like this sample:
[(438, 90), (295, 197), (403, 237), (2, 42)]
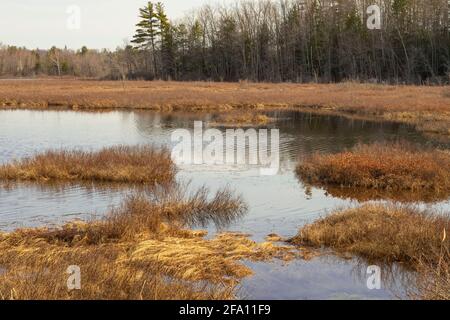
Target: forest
[(264, 41)]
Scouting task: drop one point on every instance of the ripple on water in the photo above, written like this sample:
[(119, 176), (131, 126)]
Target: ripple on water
[(278, 204)]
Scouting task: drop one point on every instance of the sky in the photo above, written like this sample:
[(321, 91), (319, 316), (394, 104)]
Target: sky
[(101, 23)]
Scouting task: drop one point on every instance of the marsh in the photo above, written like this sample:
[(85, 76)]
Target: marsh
[(278, 204)]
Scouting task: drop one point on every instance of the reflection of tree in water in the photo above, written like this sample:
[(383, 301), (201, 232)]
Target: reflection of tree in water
[(301, 133), (150, 123)]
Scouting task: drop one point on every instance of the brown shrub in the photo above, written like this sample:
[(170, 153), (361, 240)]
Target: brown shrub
[(134, 164)]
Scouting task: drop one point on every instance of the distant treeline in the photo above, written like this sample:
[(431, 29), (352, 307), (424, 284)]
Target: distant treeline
[(284, 40)]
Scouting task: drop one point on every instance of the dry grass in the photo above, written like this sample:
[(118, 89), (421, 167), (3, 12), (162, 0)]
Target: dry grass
[(446, 92), (139, 251), (387, 167), (388, 234), (102, 278), (243, 118), (426, 107), (380, 233), (139, 164), (433, 282)]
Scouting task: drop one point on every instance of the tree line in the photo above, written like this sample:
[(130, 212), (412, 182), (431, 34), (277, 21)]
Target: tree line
[(266, 40)]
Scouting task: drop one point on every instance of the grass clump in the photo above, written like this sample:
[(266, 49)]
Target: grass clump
[(140, 250), (125, 164), (379, 232), (389, 234), (392, 167), (243, 118)]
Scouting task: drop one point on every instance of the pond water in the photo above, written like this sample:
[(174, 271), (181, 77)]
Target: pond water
[(278, 204)]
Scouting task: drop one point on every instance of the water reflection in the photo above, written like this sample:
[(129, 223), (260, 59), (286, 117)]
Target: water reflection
[(277, 204), (325, 277), (224, 209), (365, 195), (30, 204)]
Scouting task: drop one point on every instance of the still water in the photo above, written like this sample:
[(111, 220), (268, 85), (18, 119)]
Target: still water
[(277, 204)]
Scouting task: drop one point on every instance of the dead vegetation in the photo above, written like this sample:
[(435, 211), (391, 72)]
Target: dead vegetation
[(141, 250), (389, 234), (138, 164), (426, 107), (241, 119), (384, 167), (433, 282)]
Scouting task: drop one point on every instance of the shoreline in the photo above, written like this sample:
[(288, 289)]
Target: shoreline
[(425, 108)]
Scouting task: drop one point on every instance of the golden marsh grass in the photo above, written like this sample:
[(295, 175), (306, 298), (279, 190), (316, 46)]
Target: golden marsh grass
[(385, 167), (426, 107), (389, 234), (242, 119), (130, 164), (140, 250)]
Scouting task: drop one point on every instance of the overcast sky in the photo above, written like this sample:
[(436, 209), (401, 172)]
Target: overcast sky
[(103, 24)]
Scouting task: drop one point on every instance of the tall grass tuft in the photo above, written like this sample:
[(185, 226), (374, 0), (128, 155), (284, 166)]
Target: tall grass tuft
[(389, 234), (130, 164), (392, 167), (140, 250)]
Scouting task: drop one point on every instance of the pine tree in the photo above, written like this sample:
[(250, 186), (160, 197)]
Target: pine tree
[(37, 65), (166, 40), (147, 32), (448, 16), (196, 50)]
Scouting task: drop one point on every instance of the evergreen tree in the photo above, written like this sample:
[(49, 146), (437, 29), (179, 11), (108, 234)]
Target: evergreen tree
[(166, 41), (273, 40), (147, 32)]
